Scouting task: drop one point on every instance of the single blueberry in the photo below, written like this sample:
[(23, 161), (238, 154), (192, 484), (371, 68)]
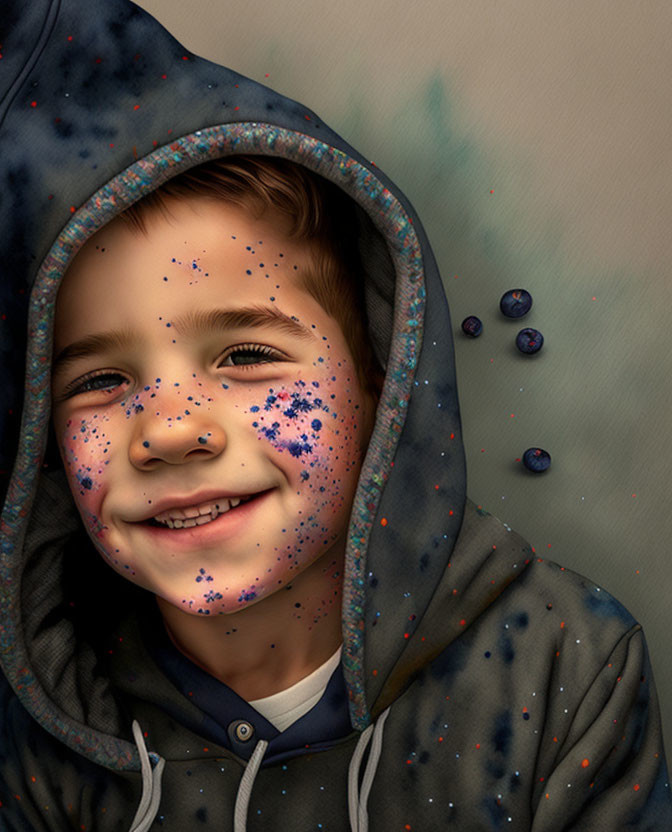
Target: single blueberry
[(472, 326), (536, 460), (515, 303), (529, 341)]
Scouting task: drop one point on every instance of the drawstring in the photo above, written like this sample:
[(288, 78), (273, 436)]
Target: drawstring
[(245, 787), (151, 784), (359, 818)]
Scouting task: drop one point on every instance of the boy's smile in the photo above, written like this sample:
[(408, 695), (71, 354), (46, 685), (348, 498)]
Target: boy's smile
[(208, 410)]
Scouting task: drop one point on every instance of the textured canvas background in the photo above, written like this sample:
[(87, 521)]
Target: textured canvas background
[(533, 137)]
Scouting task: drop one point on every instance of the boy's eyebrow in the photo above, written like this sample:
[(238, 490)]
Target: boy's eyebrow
[(187, 325)]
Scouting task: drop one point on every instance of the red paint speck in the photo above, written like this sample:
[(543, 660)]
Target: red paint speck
[(636, 787), (33, 103), (585, 763), (383, 521), (136, 107)]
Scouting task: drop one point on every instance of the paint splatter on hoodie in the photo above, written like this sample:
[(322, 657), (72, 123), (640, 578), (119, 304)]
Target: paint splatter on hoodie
[(481, 687)]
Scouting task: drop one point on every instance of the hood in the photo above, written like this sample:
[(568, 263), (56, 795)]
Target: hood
[(99, 106)]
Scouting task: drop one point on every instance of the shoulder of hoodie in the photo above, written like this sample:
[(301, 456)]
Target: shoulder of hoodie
[(558, 606)]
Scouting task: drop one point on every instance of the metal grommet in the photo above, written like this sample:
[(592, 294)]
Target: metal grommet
[(242, 730)]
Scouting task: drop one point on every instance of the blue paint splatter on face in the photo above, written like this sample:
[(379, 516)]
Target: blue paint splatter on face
[(211, 596), (316, 424), (203, 576), (298, 448), (270, 401), (247, 596), (87, 483), (272, 432)]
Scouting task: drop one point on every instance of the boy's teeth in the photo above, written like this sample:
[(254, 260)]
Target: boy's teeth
[(185, 518)]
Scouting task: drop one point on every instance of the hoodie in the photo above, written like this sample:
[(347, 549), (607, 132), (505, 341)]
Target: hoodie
[(480, 687)]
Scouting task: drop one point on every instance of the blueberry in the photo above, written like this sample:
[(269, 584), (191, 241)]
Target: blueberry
[(529, 340), (536, 460), (515, 303), (472, 326)]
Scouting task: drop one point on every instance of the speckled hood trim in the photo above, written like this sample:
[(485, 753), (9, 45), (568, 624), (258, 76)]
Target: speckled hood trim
[(126, 188)]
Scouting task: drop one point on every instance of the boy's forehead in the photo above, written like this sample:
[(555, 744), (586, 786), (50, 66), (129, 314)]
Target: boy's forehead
[(208, 255)]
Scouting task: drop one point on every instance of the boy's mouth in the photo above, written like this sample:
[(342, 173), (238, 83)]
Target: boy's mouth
[(198, 515)]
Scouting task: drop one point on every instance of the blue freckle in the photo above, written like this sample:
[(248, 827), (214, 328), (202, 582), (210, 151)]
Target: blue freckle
[(174, 260), (203, 440), (168, 324), (254, 408), (145, 444), (304, 475), (165, 278), (86, 483), (316, 424), (526, 715), (272, 298), (316, 384), (146, 388), (157, 380), (193, 265), (487, 654), (225, 386), (139, 408), (247, 271)]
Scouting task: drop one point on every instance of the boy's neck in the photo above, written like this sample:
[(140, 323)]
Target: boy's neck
[(273, 644)]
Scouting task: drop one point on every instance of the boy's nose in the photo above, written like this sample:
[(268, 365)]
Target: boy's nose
[(175, 442)]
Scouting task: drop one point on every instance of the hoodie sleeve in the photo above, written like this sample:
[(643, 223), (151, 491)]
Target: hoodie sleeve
[(611, 772)]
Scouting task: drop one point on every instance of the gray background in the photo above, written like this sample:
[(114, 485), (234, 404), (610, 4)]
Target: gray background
[(534, 139)]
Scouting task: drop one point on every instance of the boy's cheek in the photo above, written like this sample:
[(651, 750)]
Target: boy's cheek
[(85, 450)]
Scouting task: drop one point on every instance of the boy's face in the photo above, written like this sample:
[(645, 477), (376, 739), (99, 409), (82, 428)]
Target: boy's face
[(168, 401)]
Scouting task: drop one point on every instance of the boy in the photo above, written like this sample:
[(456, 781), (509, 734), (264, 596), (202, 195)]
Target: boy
[(296, 618)]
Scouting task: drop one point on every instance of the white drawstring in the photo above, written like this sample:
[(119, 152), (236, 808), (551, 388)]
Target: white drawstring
[(245, 787), (359, 818), (357, 801), (151, 785)]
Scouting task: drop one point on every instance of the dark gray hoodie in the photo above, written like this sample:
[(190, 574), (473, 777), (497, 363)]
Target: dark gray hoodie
[(481, 687)]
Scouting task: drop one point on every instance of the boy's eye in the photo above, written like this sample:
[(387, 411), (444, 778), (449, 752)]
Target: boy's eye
[(247, 355), (95, 382)]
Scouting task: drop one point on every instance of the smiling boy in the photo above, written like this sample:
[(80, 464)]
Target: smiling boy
[(242, 586), (188, 373)]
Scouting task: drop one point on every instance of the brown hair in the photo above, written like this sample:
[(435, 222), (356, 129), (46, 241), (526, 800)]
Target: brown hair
[(319, 213)]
